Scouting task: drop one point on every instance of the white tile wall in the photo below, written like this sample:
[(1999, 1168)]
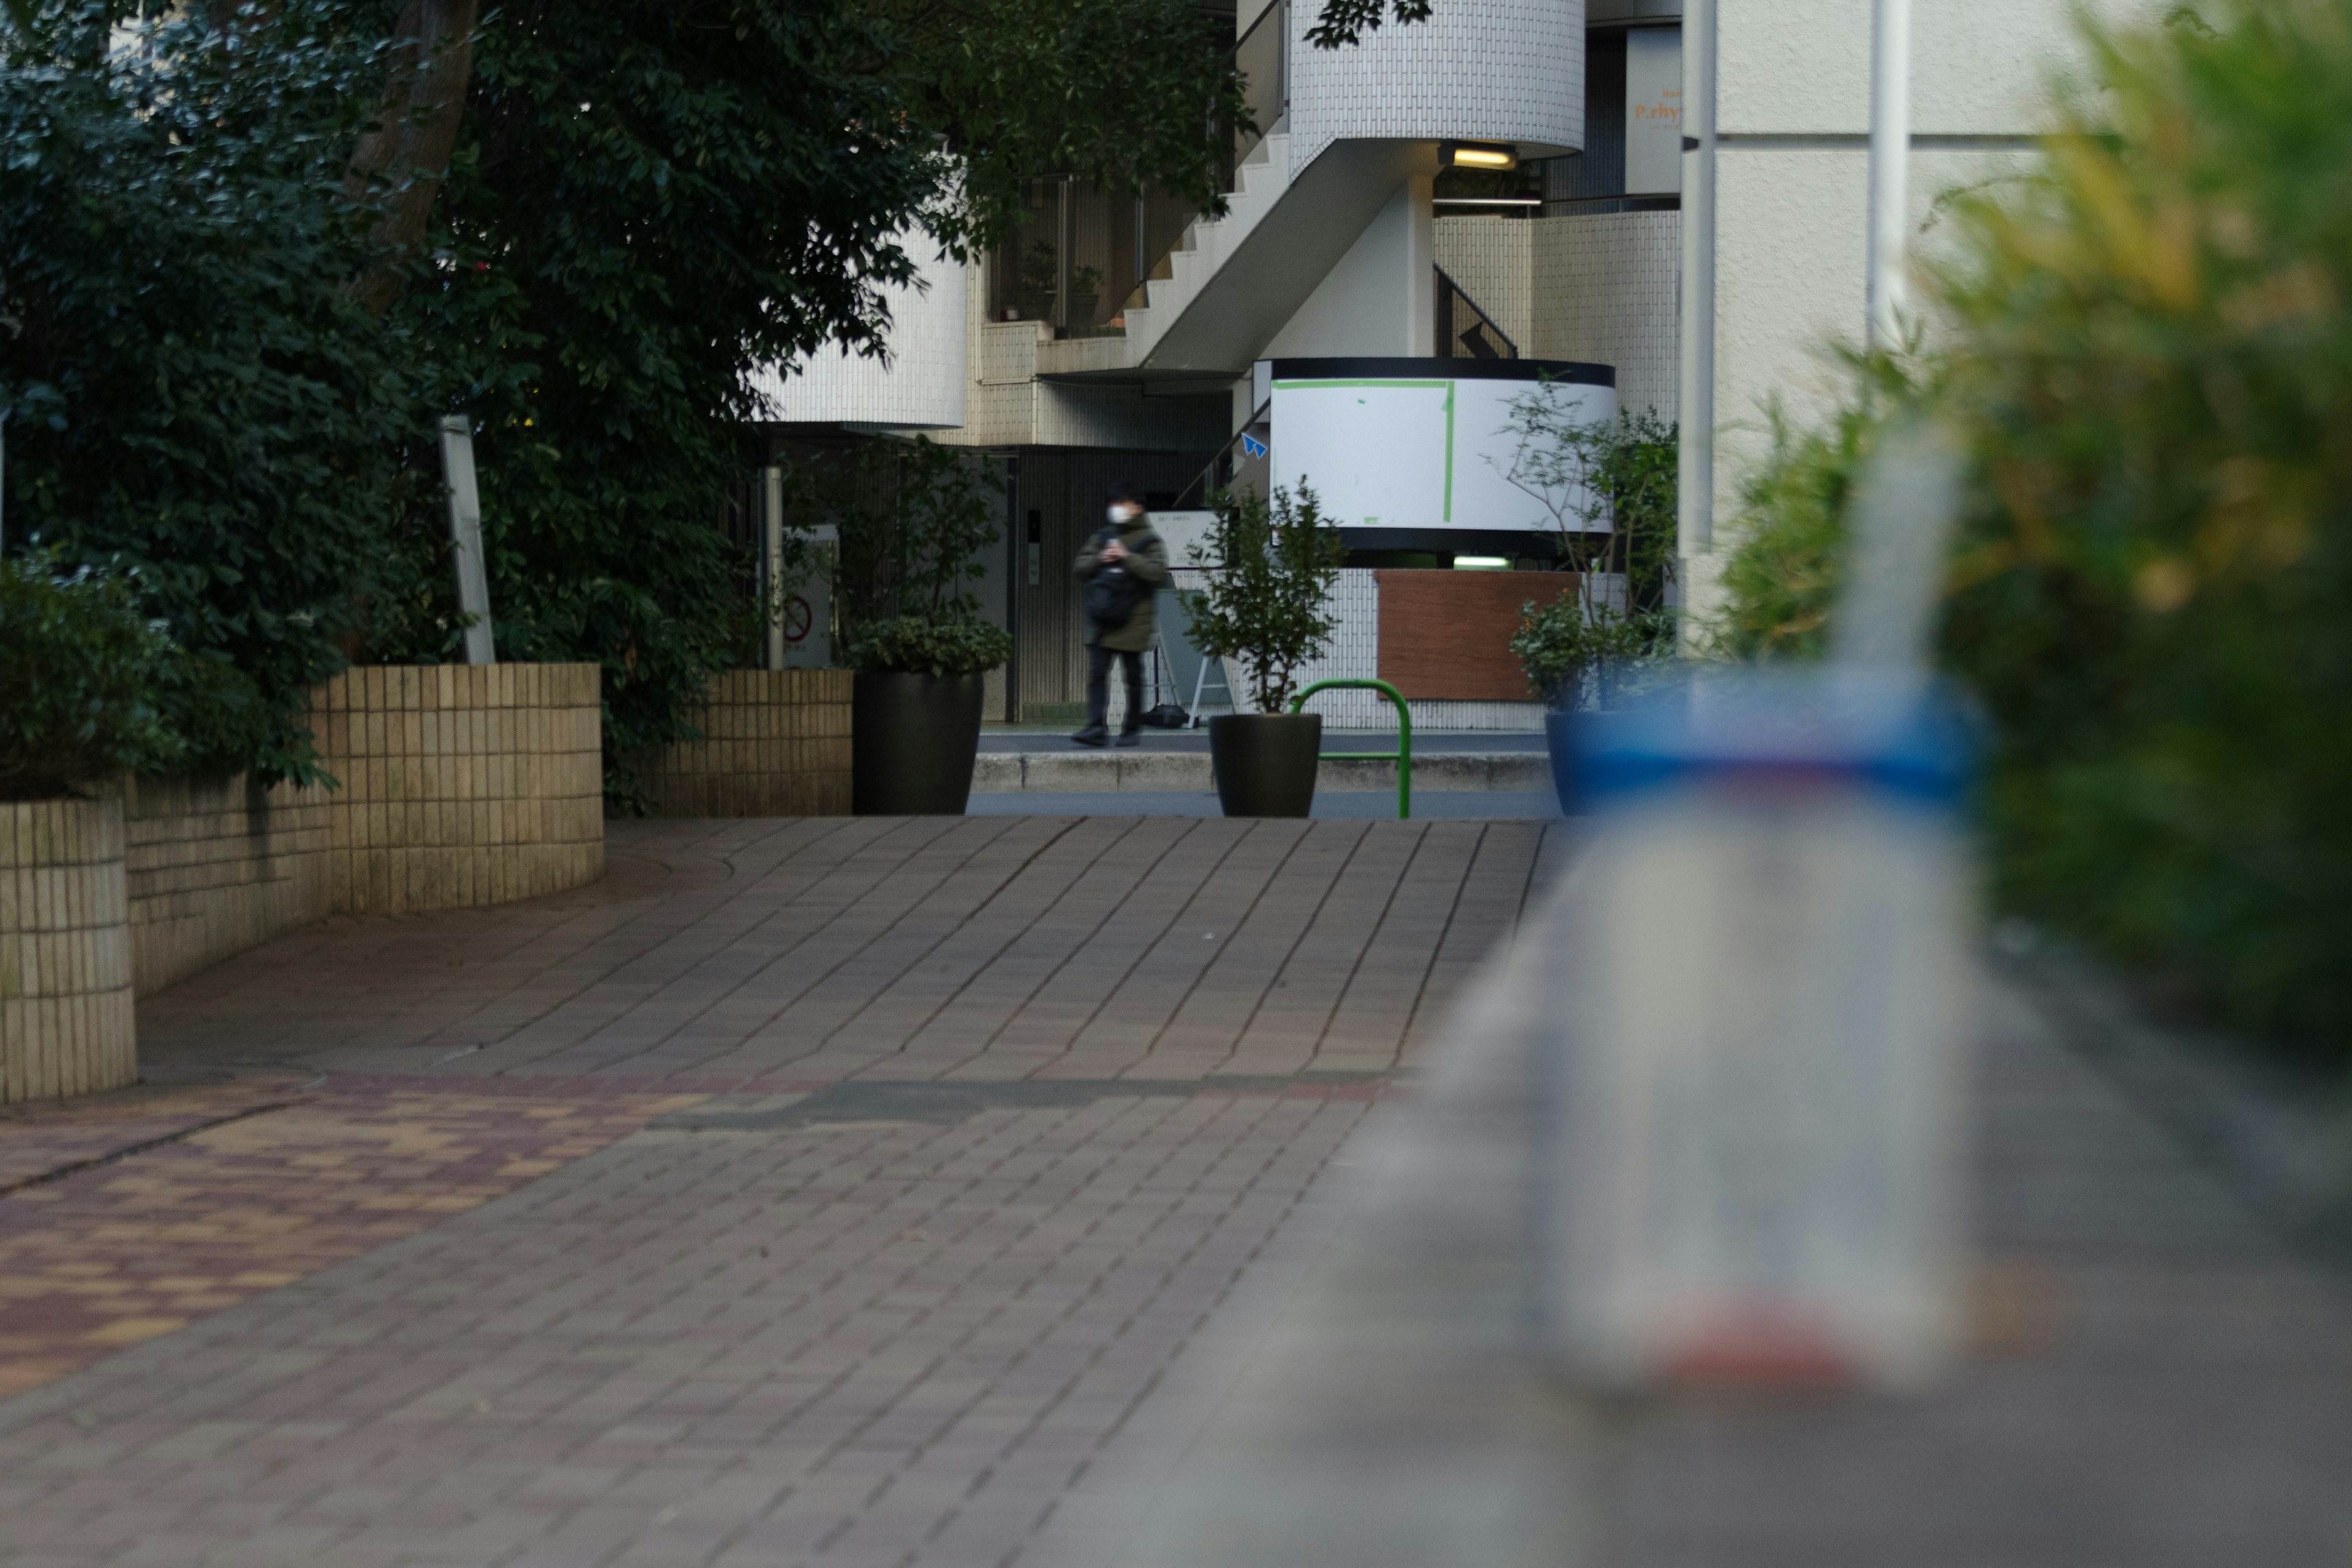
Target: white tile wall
[(919, 386), (1488, 258), (1605, 290), (1499, 71)]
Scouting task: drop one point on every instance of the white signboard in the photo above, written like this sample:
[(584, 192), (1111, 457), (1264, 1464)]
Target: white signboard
[(1654, 111), (1415, 453)]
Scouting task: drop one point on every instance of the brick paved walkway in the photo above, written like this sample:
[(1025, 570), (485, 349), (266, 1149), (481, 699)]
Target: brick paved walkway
[(728, 952), (910, 1194), (807, 1192)]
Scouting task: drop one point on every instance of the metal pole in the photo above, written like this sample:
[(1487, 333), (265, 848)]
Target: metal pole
[(1695, 519), (1890, 153), (466, 536), (772, 554)]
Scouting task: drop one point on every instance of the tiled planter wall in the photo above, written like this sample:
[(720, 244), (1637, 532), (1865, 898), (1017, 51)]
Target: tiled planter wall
[(776, 744), (462, 785), (66, 1022), (216, 866)]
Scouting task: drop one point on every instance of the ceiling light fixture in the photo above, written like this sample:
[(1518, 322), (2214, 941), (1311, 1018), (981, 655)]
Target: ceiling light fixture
[(1476, 155)]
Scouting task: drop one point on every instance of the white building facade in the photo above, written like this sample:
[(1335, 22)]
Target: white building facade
[(1685, 213)]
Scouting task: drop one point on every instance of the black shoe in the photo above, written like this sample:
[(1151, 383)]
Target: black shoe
[(1092, 735), (1129, 738)]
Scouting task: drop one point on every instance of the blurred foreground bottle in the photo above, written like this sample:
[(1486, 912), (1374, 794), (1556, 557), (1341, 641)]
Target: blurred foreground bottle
[(1759, 1005)]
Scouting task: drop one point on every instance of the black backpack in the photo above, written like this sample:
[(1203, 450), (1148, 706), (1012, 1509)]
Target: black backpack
[(1112, 593)]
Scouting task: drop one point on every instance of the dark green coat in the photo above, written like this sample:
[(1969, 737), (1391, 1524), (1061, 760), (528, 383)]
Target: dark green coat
[(1147, 559)]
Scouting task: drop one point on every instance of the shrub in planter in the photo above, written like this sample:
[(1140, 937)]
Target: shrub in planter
[(1610, 486), (913, 518), (916, 714), (1266, 604)]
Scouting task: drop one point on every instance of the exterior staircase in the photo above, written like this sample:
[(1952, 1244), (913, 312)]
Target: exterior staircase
[(1234, 280)]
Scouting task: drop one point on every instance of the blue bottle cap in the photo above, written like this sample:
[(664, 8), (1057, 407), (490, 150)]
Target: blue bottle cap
[(1907, 734)]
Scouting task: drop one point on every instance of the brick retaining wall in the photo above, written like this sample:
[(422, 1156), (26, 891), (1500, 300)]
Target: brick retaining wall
[(776, 743), (216, 866), (66, 1023), (462, 785)]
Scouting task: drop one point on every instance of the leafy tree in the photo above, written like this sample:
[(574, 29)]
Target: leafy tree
[(1269, 589), (248, 258), (1118, 92), (647, 201), (911, 518), (194, 401), (1610, 486), (1343, 22)]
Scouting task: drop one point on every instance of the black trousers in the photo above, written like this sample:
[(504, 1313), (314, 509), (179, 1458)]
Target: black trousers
[(1099, 660)]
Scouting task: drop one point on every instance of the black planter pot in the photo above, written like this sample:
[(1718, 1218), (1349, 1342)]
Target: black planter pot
[(1265, 762), (915, 741)]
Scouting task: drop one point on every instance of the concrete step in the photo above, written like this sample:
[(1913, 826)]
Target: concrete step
[(1076, 771)]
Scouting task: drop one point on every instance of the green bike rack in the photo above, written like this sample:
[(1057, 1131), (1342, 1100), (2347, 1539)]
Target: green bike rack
[(1401, 756)]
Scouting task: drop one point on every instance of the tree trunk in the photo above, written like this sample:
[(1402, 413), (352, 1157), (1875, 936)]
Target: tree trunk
[(402, 158)]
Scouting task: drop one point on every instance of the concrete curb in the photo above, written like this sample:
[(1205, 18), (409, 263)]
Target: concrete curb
[(1110, 772)]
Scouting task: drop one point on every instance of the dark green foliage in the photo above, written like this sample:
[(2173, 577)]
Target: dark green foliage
[(1341, 22), (1117, 92), (1784, 570), (1611, 489), (923, 645), (77, 683), (193, 401), (648, 201), (913, 518), (1270, 592), (2156, 597), (2152, 366), (1558, 642)]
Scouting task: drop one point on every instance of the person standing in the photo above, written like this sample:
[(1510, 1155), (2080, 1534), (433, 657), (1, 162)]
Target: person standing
[(1123, 567)]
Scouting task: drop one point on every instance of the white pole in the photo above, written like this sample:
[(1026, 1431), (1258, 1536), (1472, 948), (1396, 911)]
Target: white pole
[(1695, 520), (1890, 151), (466, 536)]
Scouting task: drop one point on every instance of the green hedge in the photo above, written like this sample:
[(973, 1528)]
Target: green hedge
[(2150, 360), (77, 693)]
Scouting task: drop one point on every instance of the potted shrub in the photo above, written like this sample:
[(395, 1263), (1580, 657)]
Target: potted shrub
[(916, 713), (76, 709), (1610, 486), (1579, 654), (914, 517), (1266, 604)]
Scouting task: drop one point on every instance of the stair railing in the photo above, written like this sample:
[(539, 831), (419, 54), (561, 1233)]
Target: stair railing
[(1466, 331)]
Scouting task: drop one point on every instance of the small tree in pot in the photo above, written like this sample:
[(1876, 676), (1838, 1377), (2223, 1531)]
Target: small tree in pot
[(1610, 486), (913, 518), (1270, 570)]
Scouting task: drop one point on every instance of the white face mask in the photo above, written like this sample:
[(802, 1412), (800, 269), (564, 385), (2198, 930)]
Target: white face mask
[(1121, 513)]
